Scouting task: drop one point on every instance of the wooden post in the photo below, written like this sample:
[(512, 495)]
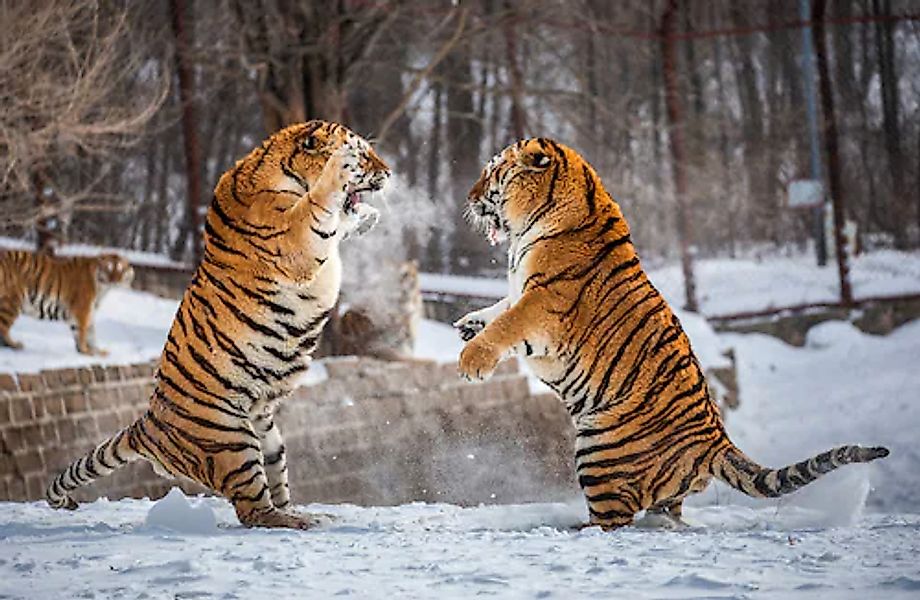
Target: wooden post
[(676, 137), (833, 156)]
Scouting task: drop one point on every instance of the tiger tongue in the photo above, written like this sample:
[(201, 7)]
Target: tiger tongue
[(352, 200)]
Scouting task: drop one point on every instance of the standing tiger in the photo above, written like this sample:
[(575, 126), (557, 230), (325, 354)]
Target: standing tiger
[(53, 288), (249, 322), (592, 326)]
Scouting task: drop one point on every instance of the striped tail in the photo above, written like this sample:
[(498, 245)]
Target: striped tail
[(105, 458), (743, 474)]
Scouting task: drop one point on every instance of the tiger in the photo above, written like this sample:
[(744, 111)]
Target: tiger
[(587, 320), (60, 289), (248, 323)]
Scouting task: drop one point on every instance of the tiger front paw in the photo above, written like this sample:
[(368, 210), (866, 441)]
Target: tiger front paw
[(478, 360), (340, 175), (348, 159), (469, 325), (362, 220)]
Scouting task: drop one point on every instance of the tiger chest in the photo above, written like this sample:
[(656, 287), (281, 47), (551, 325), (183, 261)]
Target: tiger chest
[(305, 310)]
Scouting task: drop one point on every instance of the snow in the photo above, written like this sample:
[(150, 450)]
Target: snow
[(728, 286), (853, 534), (175, 513), (843, 387), (461, 285), (435, 550), (131, 325), (438, 341)]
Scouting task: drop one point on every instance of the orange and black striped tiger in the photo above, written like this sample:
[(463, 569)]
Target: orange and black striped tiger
[(590, 324), (248, 322), (67, 289)]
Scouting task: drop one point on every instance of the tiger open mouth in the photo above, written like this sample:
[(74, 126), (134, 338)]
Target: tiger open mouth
[(486, 219), (356, 196), (352, 200)]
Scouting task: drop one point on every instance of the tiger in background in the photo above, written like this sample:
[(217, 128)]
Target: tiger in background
[(590, 324), (248, 322), (58, 289)]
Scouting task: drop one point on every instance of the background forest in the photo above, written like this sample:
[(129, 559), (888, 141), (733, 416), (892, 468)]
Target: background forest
[(118, 117)]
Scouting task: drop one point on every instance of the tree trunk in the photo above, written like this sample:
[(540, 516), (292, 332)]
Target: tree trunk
[(464, 141), (833, 157), (884, 39), (189, 132), (676, 135), (518, 119)]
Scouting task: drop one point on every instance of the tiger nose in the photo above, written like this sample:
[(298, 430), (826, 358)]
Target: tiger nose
[(477, 190)]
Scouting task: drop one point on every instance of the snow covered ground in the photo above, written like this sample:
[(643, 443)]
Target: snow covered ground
[(853, 534), (131, 325), (107, 550), (727, 286)]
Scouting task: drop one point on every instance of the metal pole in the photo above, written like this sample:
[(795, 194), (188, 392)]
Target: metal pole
[(808, 67)]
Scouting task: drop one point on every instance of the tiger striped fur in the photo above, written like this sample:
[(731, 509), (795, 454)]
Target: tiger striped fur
[(248, 322), (58, 289), (590, 324)]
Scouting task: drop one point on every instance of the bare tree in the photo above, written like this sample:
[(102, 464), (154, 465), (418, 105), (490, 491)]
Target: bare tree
[(73, 92)]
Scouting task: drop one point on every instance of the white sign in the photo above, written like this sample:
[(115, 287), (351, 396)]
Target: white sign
[(805, 193)]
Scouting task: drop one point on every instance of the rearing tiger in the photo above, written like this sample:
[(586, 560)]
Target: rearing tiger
[(248, 322), (592, 326)]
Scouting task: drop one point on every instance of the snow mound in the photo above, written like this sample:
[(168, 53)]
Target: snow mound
[(174, 512), (833, 333)]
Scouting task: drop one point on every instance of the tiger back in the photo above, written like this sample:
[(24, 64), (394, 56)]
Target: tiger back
[(248, 323), (588, 321), (68, 288)]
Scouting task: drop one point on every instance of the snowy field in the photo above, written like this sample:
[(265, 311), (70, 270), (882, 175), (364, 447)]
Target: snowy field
[(853, 534), (108, 550), (130, 325), (727, 286)]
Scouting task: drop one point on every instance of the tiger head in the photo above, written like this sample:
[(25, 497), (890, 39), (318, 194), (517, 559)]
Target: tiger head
[(112, 269), (275, 176), (531, 180)]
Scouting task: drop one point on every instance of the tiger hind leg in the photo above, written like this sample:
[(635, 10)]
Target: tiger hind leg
[(248, 489), (276, 472), (611, 508), (242, 478), (275, 460)]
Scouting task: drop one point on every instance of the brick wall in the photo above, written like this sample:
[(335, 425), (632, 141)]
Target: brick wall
[(371, 433)]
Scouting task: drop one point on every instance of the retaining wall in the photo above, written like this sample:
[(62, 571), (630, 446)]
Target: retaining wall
[(370, 433)]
